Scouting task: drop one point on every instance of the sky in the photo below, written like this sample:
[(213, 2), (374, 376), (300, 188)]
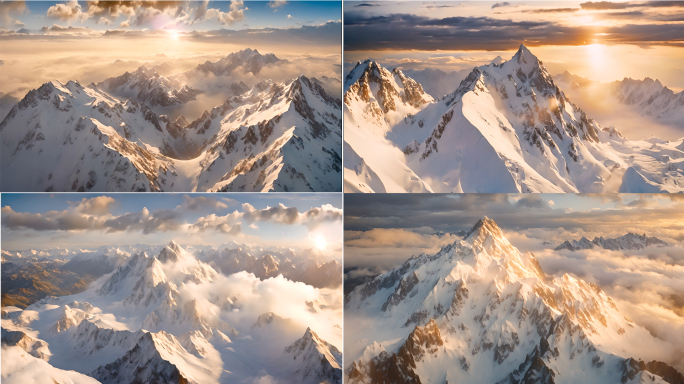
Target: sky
[(384, 230), (91, 41), (41, 221), (603, 41)]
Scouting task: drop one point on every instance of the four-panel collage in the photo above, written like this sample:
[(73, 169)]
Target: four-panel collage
[(342, 192)]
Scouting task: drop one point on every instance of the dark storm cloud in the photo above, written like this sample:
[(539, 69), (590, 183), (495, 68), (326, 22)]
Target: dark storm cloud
[(407, 31)]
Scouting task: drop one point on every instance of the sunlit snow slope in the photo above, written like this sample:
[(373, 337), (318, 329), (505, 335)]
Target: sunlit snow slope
[(506, 128)]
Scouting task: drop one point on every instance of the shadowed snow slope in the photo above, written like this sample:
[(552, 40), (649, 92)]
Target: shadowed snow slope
[(480, 311), (506, 120)]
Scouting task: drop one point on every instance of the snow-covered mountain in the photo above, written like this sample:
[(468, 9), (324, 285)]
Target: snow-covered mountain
[(629, 241), (274, 137), (647, 97), (481, 311), (148, 87), (312, 360), (507, 120), (294, 265), (172, 318)]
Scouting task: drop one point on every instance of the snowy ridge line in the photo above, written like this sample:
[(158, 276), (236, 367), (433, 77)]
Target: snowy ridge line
[(480, 310), (272, 137), (507, 119)]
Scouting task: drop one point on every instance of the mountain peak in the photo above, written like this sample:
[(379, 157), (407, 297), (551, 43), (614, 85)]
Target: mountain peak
[(172, 252), (485, 224), (525, 56)]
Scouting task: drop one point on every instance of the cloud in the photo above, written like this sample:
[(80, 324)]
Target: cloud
[(645, 284), (50, 221), (279, 214), (70, 11), (9, 9), (276, 3), (125, 24), (532, 201), (290, 215), (19, 24), (161, 220), (414, 32), (201, 10), (226, 224), (551, 10), (394, 238), (499, 5), (100, 205), (289, 16), (68, 31), (201, 203), (236, 13)]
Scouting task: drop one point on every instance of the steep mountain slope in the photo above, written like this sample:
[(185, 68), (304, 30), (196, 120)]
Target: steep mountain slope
[(480, 311), (312, 360), (629, 241), (510, 121), (170, 318), (375, 99), (277, 137), (274, 137)]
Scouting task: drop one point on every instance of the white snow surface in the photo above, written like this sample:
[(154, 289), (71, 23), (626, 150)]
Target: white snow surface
[(506, 128)]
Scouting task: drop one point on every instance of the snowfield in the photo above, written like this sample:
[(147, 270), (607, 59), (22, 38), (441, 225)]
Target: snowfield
[(506, 128)]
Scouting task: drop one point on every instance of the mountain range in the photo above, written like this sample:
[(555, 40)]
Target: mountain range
[(138, 324), (481, 311), (630, 241), (29, 276), (508, 120), (110, 137), (647, 97)]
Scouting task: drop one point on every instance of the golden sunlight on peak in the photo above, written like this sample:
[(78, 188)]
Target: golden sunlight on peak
[(320, 242)]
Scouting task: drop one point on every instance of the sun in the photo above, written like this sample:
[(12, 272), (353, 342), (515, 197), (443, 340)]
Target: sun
[(173, 34), (320, 242)]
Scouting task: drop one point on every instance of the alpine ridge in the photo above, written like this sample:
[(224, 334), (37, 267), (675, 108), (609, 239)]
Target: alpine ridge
[(168, 317), (629, 241), (481, 311), (274, 136), (507, 119)]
